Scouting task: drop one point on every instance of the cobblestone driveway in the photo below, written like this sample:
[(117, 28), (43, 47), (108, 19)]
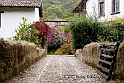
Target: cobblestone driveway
[(59, 69)]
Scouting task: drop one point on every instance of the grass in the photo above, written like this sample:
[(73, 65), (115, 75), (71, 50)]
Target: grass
[(119, 81), (94, 68)]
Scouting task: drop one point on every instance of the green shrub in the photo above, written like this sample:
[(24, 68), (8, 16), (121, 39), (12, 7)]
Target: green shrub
[(58, 52), (117, 27), (85, 30), (108, 33), (67, 30), (27, 32)]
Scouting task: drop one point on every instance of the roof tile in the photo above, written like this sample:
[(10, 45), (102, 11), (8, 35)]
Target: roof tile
[(26, 3)]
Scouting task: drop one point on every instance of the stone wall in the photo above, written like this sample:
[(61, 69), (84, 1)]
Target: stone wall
[(119, 67), (15, 56), (90, 55)]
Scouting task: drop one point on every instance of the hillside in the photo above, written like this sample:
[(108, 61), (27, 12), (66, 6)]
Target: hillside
[(58, 8)]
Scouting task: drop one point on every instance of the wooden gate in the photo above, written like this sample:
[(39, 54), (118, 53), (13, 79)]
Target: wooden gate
[(108, 52)]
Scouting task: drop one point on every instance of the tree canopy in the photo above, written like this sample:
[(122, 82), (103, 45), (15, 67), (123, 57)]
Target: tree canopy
[(58, 8)]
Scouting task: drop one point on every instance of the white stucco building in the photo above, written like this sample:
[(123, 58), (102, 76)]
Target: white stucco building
[(12, 11), (103, 9)]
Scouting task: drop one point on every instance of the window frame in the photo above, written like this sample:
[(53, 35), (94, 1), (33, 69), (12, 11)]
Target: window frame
[(1, 17), (115, 7), (101, 8)]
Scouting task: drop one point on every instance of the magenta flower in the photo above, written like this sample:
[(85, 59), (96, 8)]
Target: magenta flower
[(51, 38)]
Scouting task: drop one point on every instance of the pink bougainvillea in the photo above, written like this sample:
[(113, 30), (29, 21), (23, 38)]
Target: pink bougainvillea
[(45, 31)]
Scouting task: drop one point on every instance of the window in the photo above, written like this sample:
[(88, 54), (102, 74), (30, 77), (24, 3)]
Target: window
[(101, 8), (1, 17), (115, 6)]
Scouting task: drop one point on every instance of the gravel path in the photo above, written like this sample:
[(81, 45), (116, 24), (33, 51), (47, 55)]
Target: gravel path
[(59, 69)]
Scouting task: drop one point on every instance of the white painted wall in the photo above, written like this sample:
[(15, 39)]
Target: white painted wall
[(91, 4), (92, 7), (13, 16), (37, 17)]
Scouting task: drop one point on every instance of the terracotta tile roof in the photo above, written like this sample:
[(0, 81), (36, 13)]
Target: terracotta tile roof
[(20, 3)]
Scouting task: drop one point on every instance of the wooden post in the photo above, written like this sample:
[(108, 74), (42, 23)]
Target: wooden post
[(44, 43)]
